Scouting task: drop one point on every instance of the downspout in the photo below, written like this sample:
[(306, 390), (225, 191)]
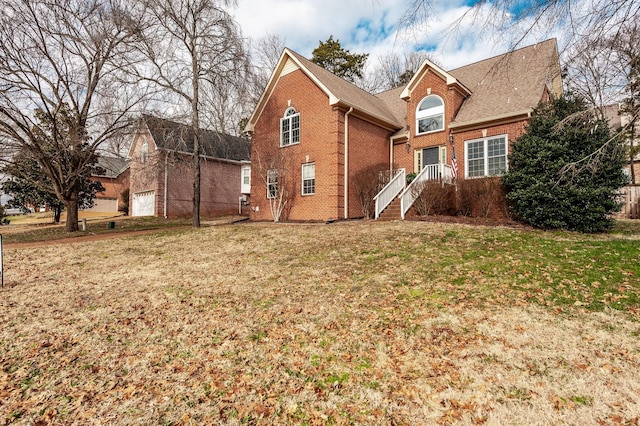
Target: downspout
[(166, 157), (346, 163), (391, 155)]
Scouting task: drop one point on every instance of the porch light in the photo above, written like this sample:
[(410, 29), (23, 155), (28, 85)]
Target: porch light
[(407, 146), (450, 137)]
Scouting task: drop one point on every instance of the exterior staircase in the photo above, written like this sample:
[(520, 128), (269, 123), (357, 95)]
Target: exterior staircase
[(392, 212)]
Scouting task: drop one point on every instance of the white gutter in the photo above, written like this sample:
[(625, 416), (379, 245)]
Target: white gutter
[(165, 185), (510, 115), (346, 163)]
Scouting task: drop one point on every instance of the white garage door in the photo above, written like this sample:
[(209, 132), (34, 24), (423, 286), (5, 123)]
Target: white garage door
[(143, 203), (106, 205)]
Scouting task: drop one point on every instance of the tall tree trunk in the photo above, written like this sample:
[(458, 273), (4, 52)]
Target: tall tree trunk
[(57, 212), (195, 123), (71, 206)]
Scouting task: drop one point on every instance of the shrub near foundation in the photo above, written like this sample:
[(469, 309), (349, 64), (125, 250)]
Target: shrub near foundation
[(434, 198), (367, 184), (482, 197)]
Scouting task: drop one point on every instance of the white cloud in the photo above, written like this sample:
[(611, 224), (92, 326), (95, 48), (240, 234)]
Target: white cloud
[(371, 26)]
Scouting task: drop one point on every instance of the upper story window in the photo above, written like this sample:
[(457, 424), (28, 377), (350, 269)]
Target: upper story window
[(430, 115), (290, 127), (144, 152), (486, 157)]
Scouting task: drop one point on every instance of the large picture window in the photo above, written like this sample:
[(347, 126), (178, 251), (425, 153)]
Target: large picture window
[(430, 115), (486, 157), (272, 183), (290, 127), (308, 179)]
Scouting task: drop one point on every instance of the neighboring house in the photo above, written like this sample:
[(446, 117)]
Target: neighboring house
[(162, 177), (618, 121), (114, 177), (4, 198), (325, 130)]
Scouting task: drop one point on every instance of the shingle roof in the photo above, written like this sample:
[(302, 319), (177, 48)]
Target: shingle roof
[(349, 93), (397, 106), (173, 136), (509, 83), (112, 166)]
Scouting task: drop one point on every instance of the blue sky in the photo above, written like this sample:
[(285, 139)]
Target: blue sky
[(371, 26)]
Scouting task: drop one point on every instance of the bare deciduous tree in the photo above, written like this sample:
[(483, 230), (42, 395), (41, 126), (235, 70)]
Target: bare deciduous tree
[(63, 58), (395, 71), (194, 50), (275, 171)]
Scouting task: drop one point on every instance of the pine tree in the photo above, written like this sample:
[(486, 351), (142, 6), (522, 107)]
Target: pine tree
[(332, 56)]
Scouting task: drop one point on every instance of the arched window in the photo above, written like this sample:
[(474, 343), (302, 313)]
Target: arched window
[(144, 152), (430, 115), (290, 127)]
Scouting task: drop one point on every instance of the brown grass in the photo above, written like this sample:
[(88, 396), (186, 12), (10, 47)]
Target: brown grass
[(295, 324)]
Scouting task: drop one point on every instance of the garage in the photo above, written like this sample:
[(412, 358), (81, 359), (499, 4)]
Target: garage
[(143, 203)]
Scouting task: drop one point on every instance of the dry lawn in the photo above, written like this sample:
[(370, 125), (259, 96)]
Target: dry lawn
[(351, 323)]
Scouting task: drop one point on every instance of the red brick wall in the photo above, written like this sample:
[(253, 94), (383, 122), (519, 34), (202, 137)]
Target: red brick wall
[(321, 142), (145, 177), (512, 130), (220, 182), (114, 187), (453, 101), (368, 145), (219, 188), (434, 84)]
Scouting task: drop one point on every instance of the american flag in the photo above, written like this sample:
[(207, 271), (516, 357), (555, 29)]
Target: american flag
[(454, 163)]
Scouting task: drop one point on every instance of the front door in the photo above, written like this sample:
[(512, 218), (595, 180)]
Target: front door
[(430, 156)]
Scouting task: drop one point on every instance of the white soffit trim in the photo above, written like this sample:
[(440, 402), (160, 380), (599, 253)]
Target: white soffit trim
[(422, 71)]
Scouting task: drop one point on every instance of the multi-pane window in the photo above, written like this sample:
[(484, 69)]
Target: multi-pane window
[(430, 115), (290, 127), (308, 179), (486, 157), (272, 183)]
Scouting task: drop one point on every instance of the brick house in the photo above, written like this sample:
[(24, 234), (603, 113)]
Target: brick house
[(162, 179), (114, 177), (323, 130)]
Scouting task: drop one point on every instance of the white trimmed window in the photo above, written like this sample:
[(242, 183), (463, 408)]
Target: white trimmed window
[(245, 184), (430, 115), (308, 179), (144, 152), (290, 127), (485, 157), (272, 183)]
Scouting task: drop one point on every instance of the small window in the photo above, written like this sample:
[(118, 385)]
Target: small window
[(144, 152), (308, 179), (486, 157), (430, 115), (290, 127), (272, 183), (245, 184)]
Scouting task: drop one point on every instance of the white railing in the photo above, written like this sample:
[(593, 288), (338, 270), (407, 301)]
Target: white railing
[(440, 172), (390, 191)]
